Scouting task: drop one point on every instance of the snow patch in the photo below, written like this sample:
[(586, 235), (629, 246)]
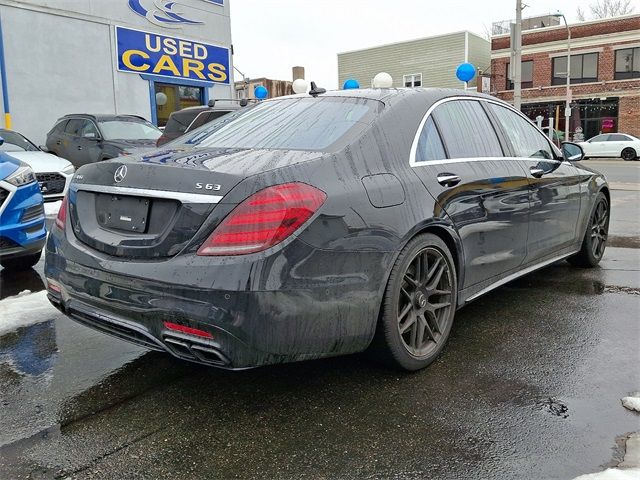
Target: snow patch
[(25, 309), (51, 209), (612, 474), (632, 402)]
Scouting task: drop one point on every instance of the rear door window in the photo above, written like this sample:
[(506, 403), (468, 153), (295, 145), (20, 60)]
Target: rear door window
[(526, 140), (74, 127), (466, 130), (430, 145)]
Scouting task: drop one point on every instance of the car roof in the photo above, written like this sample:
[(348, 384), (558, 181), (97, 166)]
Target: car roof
[(103, 117), (387, 94)]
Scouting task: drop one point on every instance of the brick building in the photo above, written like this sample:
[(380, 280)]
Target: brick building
[(605, 74)]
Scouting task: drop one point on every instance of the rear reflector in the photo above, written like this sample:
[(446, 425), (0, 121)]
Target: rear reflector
[(53, 286), (264, 219), (61, 219), (188, 330)]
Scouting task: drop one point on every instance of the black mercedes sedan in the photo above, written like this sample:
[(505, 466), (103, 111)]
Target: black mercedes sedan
[(312, 226)]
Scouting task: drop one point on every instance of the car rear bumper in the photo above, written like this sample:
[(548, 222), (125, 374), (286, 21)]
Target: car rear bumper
[(253, 314)]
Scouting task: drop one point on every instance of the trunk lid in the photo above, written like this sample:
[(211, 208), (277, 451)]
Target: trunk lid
[(152, 205)]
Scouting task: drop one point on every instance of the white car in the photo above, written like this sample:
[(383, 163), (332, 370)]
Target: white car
[(53, 173), (617, 145)]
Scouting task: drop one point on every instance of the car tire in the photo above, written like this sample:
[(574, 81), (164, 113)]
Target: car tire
[(628, 154), (24, 262), (594, 242), (418, 306)]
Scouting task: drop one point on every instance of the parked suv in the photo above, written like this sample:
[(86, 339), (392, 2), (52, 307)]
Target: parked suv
[(22, 226), (83, 138), (187, 119)]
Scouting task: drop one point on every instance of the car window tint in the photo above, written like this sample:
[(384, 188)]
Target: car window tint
[(206, 117), (74, 126), (179, 121), (618, 138), (14, 142), (466, 130), (314, 124), (89, 130), (599, 138), (430, 144), (59, 127), (526, 140)]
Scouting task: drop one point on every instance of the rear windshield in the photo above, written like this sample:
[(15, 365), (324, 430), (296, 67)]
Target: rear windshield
[(316, 124), (179, 121)]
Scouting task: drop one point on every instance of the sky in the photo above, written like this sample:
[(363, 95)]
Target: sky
[(270, 37)]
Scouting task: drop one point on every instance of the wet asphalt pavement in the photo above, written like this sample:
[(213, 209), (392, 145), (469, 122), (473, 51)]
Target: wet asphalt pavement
[(528, 387)]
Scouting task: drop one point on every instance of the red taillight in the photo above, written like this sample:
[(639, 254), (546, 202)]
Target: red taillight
[(188, 330), (61, 219), (264, 219)]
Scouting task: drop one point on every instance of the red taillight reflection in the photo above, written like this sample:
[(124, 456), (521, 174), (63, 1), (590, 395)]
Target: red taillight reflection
[(264, 219), (188, 330), (61, 219)]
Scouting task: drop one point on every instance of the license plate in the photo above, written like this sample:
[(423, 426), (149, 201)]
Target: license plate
[(128, 214)]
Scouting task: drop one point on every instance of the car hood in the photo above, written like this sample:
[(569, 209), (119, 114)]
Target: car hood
[(130, 145), (42, 162), (8, 165)]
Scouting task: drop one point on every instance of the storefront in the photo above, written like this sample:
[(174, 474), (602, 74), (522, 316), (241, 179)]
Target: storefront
[(141, 57), (590, 116)]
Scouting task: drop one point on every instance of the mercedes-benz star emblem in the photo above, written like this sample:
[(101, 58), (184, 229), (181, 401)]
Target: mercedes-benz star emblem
[(121, 172)]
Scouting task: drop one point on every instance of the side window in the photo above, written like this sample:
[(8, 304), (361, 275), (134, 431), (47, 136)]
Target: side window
[(526, 140), (615, 137), (88, 130), (466, 130), (599, 138), (74, 126), (59, 128), (430, 145)]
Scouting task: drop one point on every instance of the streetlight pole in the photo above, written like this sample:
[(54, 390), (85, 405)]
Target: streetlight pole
[(567, 107), (517, 57)]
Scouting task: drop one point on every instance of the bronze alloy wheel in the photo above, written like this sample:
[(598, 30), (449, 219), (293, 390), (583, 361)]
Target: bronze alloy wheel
[(424, 303)]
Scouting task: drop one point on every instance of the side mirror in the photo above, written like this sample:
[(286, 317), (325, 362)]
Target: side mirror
[(572, 152)]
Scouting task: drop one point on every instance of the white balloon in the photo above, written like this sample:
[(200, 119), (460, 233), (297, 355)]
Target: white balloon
[(300, 86), (161, 99), (382, 80)]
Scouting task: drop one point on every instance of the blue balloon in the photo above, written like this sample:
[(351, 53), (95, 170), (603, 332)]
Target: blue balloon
[(261, 93), (351, 84), (465, 72)]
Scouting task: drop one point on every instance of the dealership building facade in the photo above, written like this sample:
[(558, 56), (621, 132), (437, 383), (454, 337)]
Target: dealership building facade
[(140, 57), (604, 75)]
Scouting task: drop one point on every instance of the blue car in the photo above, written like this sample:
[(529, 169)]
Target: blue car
[(22, 222)]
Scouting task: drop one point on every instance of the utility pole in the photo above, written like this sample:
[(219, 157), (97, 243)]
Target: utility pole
[(516, 46)]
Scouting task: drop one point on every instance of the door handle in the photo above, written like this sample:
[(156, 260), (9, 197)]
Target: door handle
[(536, 172), (58, 142), (448, 179), (79, 147)]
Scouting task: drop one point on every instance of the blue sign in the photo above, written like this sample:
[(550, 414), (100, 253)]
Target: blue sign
[(168, 13), (154, 54)]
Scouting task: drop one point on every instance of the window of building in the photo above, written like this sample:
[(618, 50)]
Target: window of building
[(527, 75), (430, 144), (527, 141), (414, 80), (584, 68), (466, 130), (627, 63)]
